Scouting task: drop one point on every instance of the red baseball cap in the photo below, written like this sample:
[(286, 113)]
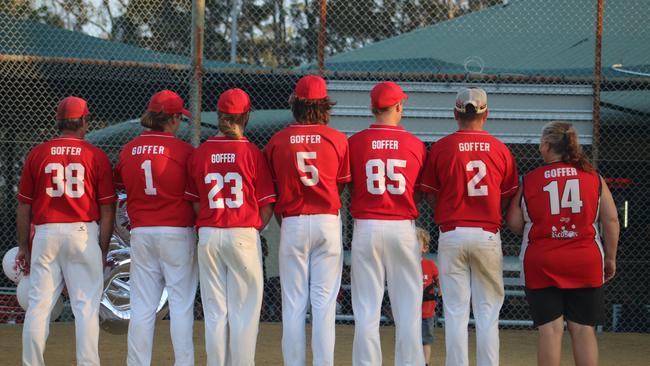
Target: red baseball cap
[(386, 94), (234, 101), (169, 102), (71, 108), (311, 87)]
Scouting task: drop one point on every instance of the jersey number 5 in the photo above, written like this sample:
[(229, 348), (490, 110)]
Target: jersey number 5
[(235, 190), (68, 180), (301, 158), (376, 173), (473, 189)]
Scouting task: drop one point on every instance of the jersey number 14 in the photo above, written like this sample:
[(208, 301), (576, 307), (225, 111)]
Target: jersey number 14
[(570, 196)]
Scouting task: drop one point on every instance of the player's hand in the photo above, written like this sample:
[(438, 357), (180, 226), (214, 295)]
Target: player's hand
[(104, 256), (22, 261), (610, 268)]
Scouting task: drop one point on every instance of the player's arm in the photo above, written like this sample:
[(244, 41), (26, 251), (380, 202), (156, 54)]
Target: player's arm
[(515, 217), (611, 229), (266, 212), (23, 218), (431, 198), (106, 222), (196, 206)]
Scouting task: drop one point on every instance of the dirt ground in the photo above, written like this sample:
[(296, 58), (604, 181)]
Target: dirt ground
[(517, 346)]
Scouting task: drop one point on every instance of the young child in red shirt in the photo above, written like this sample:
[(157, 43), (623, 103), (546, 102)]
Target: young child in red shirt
[(429, 283)]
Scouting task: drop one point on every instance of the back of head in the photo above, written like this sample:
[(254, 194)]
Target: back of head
[(310, 103), (563, 140), (70, 113), (233, 109), (471, 105), (384, 96), (163, 107)]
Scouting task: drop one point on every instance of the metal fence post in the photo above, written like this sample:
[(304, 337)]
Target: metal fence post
[(196, 87), (597, 78)]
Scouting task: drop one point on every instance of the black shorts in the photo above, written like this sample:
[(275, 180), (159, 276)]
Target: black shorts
[(584, 306), (427, 330)]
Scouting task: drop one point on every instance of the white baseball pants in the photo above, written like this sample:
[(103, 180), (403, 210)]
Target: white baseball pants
[(386, 251), (230, 267), (64, 253), (311, 262), (471, 266), (162, 257)]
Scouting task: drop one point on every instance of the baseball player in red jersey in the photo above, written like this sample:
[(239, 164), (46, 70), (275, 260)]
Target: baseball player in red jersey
[(66, 188), (233, 194), (564, 264), (470, 175), (310, 164), (386, 161), (152, 169)]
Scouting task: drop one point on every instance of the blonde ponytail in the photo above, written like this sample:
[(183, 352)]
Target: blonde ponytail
[(562, 137)]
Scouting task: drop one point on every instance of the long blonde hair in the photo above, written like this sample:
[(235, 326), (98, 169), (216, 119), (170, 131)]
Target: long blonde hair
[(233, 125), (563, 140), (423, 237), (156, 121)]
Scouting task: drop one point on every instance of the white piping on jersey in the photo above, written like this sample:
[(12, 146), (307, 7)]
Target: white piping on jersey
[(227, 141), (310, 125), (346, 176), (597, 238), (66, 138), (472, 133), (509, 190), (191, 194), (528, 225), (22, 195), (263, 198), (435, 189), (103, 198), (386, 129)]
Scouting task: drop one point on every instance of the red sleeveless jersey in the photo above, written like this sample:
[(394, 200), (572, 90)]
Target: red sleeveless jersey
[(231, 180), (307, 162), (561, 246), (152, 169), (65, 180), (385, 162)]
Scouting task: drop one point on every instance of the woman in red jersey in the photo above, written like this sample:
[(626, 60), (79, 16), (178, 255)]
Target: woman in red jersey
[(560, 208), (232, 192)]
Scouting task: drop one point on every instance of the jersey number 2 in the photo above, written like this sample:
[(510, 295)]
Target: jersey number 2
[(68, 180), (473, 189), (570, 196)]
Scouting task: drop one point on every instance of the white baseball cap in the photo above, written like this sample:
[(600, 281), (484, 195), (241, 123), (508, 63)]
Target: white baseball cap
[(477, 97)]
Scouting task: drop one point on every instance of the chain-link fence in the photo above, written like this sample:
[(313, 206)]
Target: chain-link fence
[(536, 59)]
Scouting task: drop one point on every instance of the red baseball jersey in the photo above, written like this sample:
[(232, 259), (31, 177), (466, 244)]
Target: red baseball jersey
[(562, 246), (231, 180), (152, 168), (307, 162), (429, 276), (469, 172), (65, 180), (386, 162)]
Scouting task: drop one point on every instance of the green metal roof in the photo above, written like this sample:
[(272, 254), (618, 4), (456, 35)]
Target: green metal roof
[(31, 38), (550, 37)]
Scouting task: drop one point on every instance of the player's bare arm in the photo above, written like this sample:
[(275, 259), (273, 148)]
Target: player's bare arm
[(23, 218), (196, 206), (266, 212), (514, 217), (106, 221), (431, 199), (611, 229)]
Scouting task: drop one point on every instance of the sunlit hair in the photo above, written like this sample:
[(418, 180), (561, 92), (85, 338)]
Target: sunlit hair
[(311, 111), (563, 140), (233, 125), (423, 237), (156, 121), (72, 125)]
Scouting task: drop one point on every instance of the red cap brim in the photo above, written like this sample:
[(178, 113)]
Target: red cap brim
[(186, 113)]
